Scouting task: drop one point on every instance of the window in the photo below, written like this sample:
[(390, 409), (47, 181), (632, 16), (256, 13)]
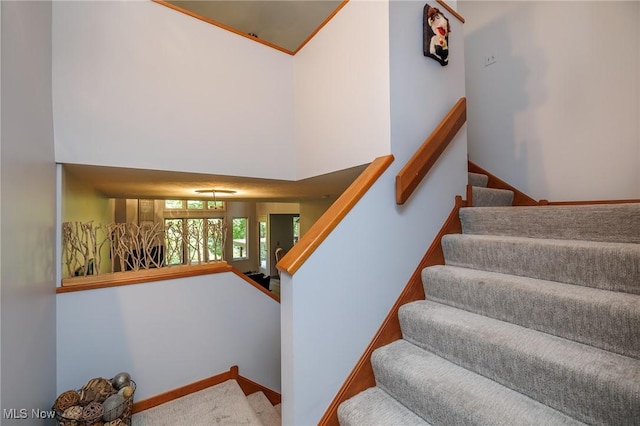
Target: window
[(195, 204), (173, 204), (215, 205), (195, 240), (240, 233), (296, 229), (215, 238), (194, 231), (174, 247), (262, 225)]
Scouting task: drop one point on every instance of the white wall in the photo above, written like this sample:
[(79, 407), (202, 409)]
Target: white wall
[(342, 91), (328, 323), (27, 217), (557, 114), (136, 84), (422, 90), (169, 334), (311, 211)]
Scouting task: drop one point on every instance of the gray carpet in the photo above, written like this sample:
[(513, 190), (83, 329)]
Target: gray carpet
[(533, 320), (223, 404)]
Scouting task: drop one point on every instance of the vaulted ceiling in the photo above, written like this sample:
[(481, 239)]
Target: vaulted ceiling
[(285, 24)]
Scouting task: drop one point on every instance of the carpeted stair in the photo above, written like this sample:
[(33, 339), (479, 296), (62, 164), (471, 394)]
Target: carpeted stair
[(222, 404), (485, 197), (533, 320)]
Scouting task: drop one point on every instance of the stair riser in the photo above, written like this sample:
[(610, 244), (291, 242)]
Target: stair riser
[(445, 394), (490, 197), (606, 223), (561, 374), (606, 266), (477, 179), (607, 320)]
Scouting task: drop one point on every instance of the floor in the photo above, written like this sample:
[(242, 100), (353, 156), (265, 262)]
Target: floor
[(274, 286)]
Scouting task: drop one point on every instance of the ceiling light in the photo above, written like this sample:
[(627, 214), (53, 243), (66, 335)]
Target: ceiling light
[(216, 191)]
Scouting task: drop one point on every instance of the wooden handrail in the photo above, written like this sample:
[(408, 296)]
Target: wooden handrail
[(451, 10), (293, 260), (426, 156)]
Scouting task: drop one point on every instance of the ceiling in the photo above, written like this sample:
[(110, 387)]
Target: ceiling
[(284, 23), (117, 182)]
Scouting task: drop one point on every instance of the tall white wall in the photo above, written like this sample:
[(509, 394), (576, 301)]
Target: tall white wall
[(557, 115), (327, 323), (341, 86), (27, 217), (137, 84), (169, 334), (422, 91)]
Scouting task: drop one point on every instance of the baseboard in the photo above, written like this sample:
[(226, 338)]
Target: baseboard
[(247, 386), (586, 203)]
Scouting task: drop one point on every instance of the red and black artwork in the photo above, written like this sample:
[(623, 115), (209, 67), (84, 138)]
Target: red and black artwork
[(435, 31)]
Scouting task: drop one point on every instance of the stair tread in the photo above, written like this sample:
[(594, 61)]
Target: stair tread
[(534, 319), (580, 380), (267, 413), (443, 393), (478, 179), (374, 407), (605, 265), (599, 222), (605, 319), (222, 404)]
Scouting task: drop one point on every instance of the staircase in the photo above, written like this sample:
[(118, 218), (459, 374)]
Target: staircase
[(222, 404), (533, 320)]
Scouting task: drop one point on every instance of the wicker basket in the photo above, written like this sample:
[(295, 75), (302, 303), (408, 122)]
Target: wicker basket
[(92, 413)]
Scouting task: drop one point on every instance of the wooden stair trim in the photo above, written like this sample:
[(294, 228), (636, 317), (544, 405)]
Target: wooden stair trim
[(361, 376), (328, 18), (255, 284), (247, 386), (519, 198), (430, 151), (586, 203), (142, 276), (221, 25), (259, 40), (451, 10), (320, 230)]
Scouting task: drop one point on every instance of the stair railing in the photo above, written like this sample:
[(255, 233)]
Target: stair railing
[(293, 260), (430, 151)]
